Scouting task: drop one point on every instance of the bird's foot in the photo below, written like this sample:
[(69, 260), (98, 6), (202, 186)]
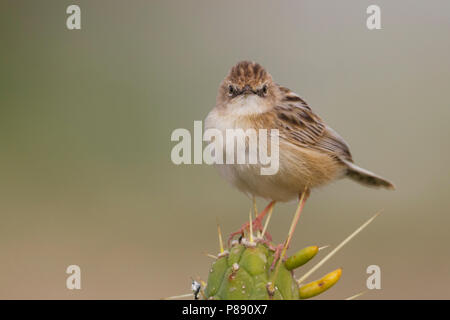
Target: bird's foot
[(257, 225), (277, 255)]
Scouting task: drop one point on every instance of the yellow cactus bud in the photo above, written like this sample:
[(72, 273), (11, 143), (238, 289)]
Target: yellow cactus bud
[(301, 257), (317, 287)]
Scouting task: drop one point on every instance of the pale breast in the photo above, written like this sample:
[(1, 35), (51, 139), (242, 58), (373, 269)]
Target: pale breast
[(298, 167)]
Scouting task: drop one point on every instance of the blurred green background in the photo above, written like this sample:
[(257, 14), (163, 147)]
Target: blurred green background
[(86, 118)]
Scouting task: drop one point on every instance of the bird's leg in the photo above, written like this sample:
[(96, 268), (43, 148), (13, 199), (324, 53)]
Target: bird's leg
[(256, 225), (280, 250), (276, 255)]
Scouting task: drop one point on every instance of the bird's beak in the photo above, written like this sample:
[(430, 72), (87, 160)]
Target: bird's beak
[(247, 90)]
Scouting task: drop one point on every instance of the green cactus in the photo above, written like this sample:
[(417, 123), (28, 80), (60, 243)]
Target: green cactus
[(255, 269), (246, 273)]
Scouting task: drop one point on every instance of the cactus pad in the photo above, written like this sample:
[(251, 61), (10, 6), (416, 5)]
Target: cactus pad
[(245, 273)]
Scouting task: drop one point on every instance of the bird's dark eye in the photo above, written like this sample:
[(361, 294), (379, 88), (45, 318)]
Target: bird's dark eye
[(264, 89), (230, 90)]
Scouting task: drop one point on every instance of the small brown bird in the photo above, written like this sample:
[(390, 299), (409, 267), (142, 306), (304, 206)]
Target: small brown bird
[(311, 154)]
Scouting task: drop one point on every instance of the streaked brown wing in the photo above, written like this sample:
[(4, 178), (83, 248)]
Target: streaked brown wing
[(300, 125)]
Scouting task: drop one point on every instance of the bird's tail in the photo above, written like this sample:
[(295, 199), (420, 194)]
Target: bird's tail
[(366, 177)]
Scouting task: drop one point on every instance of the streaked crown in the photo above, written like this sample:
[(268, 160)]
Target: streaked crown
[(247, 73)]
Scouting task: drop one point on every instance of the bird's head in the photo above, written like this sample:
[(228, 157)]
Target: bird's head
[(247, 81)]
